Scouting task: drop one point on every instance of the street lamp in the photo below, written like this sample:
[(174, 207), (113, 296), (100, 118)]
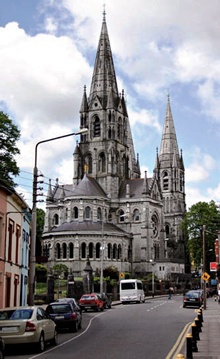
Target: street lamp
[(153, 264), (34, 214)]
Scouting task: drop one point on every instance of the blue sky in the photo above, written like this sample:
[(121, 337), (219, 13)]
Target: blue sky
[(47, 53)]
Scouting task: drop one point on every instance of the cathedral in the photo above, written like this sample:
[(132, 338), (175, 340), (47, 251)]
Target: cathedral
[(109, 214)]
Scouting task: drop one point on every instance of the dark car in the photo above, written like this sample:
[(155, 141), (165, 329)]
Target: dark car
[(91, 301), (2, 348), (66, 314), (106, 299), (193, 298)]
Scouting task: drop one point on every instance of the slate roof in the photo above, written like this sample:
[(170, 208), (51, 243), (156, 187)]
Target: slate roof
[(88, 226), (136, 187)]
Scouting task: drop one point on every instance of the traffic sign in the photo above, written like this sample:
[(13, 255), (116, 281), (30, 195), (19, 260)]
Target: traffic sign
[(213, 266), (205, 276), (121, 275)]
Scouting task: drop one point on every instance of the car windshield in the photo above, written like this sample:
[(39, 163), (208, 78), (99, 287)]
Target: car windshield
[(193, 295), (88, 297), (16, 314), (59, 308)]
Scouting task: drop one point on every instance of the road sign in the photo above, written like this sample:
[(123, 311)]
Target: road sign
[(122, 275), (205, 276), (213, 266)]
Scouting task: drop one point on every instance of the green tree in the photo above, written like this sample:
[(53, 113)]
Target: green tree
[(59, 269), (9, 135), (201, 213), (39, 230)]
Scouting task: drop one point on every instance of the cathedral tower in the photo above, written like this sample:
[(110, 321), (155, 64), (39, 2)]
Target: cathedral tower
[(107, 151)]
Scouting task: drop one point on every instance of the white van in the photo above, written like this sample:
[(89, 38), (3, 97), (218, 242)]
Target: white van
[(131, 290)]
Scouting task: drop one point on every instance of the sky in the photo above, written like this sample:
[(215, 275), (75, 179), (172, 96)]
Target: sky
[(160, 47)]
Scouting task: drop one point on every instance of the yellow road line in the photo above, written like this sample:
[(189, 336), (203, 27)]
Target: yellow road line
[(179, 343)]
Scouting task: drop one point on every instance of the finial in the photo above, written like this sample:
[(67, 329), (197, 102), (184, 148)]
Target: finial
[(104, 13), (84, 88), (168, 95)]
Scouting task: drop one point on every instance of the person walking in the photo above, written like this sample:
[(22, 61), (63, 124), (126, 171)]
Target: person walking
[(170, 293)]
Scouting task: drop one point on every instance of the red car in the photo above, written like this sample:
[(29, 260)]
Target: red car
[(91, 301)]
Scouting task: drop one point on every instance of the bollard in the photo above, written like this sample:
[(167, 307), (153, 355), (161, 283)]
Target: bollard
[(197, 329), (201, 313), (180, 356), (189, 351), (194, 341), (197, 322), (200, 318)]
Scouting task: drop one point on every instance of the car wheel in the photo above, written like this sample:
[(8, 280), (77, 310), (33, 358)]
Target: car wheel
[(80, 325), (55, 338), (41, 344)]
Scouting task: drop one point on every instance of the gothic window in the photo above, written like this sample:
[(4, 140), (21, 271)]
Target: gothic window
[(91, 250), (99, 214), (88, 213), (96, 127), (119, 128), (56, 219), (167, 230), (97, 250), (114, 253), (71, 250), (154, 220), (102, 162), (109, 251), (121, 216), (119, 252), (75, 213), (165, 181), (181, 183), (58, 250), (88, 162), (109, 117), (66, 213), (109, 133), (83, 250), (136, 215), (64, 251)]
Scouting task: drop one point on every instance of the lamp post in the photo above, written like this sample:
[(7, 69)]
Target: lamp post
[(102, 260), (153, 264), (34, 214), (204, 264)]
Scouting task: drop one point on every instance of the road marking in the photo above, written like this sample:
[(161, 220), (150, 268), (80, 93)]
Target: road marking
[(67, 341), (179, 343)]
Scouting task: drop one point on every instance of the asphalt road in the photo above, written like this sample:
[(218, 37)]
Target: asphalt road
[(148, 330)]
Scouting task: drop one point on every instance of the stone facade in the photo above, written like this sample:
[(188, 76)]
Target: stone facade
[(110, 214)]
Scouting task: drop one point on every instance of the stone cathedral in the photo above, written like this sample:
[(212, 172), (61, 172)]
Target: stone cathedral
[(108, 213)]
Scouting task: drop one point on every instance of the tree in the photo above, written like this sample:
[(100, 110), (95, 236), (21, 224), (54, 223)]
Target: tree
[(9, 135), (201, 213)]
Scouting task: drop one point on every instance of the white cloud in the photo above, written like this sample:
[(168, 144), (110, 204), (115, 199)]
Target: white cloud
[(200, 167)]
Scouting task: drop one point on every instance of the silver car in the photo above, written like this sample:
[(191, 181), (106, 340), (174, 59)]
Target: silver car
[(27, 325)]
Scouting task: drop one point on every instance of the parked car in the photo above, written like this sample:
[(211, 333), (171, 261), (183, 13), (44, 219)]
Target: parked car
[(106, 299), (2, 348), (27, 325), (66, 313), (91, 301), (193, 298), (73, 300)]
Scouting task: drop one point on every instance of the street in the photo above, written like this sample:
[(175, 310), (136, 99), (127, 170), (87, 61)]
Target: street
[(125, 331)]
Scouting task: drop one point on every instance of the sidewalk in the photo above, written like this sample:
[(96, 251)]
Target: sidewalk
[(209, 343)]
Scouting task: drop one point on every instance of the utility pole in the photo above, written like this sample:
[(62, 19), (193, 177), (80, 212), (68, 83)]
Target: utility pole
[(204, 265)]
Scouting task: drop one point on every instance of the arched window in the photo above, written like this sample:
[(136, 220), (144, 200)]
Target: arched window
[(88, 213), (97, 250), (91, 246), (64, 251), (99, 214), (181, 183), (83, 250), (121, 216), (71, 250), (96, 127), (165, 181), (88, 161), (56, 219), (66, 213), (114, 254), (136, 215), (167, 229), (119, 252), (154, 220), (75, 213), (58, 250), (119, 128), (109, 251), (102, 162)]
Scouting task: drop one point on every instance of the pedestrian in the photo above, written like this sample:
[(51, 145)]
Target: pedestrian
[(170, 293)]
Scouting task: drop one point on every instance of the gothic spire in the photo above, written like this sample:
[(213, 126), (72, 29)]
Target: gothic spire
[(104, 78), (169, 141)]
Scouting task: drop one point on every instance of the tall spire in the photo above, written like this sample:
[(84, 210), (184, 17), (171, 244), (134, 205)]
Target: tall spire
[(169, 142), (104, 78)]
